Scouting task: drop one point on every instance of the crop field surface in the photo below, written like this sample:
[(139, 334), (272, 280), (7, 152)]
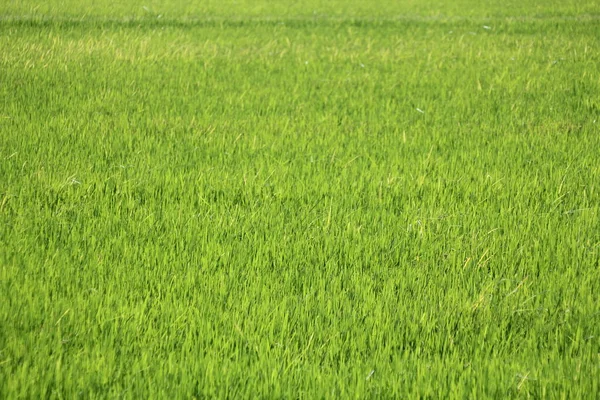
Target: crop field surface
[(300, 199)]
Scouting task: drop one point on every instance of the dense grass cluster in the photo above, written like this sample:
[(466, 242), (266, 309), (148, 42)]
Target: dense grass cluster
[(303, 199)]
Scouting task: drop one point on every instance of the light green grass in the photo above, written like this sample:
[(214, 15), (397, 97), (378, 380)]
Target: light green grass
[(299, 200)]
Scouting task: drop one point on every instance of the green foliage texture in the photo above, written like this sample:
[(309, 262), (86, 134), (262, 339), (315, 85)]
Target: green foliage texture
[(299, 199)]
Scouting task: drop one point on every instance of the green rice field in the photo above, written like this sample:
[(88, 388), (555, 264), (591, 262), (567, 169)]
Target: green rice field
[(301, 199)]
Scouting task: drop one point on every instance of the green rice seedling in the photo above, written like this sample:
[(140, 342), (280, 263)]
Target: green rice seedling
[(299, 200)]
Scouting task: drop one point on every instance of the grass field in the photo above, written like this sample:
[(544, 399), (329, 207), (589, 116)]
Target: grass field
[(300, 199)]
